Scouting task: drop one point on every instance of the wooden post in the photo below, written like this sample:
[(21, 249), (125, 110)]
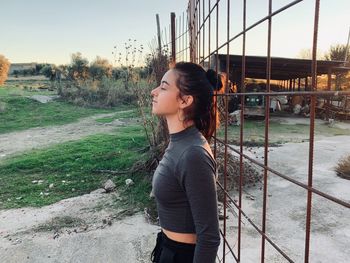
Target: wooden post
[(158, 34), (329, 87), (293, 84), (173, 47), (306, 84)]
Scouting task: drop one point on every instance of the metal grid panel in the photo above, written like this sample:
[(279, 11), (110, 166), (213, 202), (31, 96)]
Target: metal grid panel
[(193, 42)]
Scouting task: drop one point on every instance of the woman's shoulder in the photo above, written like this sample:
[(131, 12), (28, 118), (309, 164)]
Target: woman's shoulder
[(197, 152)]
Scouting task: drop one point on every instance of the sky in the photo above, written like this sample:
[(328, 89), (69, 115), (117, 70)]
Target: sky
[(48, 31)]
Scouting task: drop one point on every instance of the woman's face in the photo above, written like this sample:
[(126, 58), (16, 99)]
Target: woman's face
[(166, 96)]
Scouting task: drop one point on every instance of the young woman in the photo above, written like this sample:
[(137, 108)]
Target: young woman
[(184, 183)]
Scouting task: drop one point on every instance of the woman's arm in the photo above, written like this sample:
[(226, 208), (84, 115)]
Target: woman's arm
[(197, 176)]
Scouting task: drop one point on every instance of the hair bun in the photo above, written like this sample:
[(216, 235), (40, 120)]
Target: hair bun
[(214, 79)]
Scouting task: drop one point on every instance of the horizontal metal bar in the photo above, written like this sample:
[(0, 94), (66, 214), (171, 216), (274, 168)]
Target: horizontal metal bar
[(277, 93), (327, 196), (254, 225), (254, 25)]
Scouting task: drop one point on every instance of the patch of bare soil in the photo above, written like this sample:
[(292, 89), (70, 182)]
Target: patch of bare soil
[(16, 142)]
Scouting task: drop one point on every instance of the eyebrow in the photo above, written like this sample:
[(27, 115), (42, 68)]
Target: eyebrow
[(165, 82)]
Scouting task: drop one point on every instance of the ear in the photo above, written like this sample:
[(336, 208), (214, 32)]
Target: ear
[(186, 101)]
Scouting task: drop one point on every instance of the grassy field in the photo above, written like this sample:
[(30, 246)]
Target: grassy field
[(71, 168), (18, 112)]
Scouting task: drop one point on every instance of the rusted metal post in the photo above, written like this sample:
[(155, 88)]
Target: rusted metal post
[(226, 117), (329, 87), (312, 133), (158, 35), (173, 38), (241, 134), (267, 124)]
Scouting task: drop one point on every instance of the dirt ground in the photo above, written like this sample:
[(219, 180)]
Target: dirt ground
[(98, 237), (286, 205), (16, 142), (94, 235)]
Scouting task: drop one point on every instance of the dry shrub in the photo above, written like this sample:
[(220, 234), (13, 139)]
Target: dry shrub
[(343, 167), (251, 173), (4, 69), (97, 93)]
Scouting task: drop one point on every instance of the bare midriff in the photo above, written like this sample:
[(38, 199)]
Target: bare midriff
[(189, 238)]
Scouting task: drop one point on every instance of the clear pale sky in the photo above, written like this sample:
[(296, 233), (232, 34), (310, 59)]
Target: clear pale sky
[(50, 31)]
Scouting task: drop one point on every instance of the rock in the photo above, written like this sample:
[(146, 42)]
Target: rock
[(56, 235), (43, 98), (51, 186), (129, 182), (109, 186)]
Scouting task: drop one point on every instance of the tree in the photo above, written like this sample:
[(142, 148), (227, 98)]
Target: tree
[(338, 53), (79, 67), (100, 67), (49, 71), (4, 68)]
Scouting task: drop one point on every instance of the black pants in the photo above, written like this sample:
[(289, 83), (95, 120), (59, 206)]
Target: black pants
[(171, 251)]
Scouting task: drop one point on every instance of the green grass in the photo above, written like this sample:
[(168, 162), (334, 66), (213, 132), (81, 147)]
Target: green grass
[(71, 167), (23, 113), (25, 88)]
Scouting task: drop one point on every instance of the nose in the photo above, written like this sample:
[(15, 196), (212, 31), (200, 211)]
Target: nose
[(154, 91)]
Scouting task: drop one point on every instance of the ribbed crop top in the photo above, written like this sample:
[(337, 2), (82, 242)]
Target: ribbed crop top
[(184, 188)]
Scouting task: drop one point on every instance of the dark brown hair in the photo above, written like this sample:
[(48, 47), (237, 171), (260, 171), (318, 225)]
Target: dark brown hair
[(192, 79)]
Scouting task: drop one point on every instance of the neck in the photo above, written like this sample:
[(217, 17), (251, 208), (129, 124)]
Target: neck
[(174, 125)]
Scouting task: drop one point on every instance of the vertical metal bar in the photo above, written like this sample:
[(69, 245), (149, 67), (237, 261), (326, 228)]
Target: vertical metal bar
[(179, 32), (267, 124), (188, 28), (312, 128), (226, 113), (203, 28), (199, 31), (183, 36), (158, 35), (209, 15), (329, 87), (241, 167), (173, 47), (217, 61)]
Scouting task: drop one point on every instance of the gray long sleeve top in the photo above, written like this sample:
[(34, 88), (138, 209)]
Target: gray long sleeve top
[(184, 188)]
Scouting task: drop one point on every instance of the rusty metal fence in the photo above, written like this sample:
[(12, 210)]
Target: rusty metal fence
[(194, 36)]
